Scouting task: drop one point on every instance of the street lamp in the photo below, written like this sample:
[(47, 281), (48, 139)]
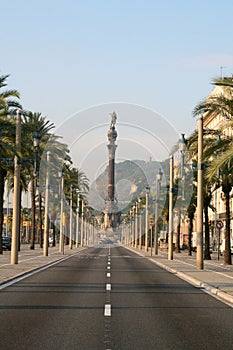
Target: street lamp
[(71, 217), (170, 237), (36, 142), (140, 223), (136, 225), (77, 219), (82, 222), (158, 184), (46, 205), (16, 198), (61, 240), (147, 217), (199, 256)]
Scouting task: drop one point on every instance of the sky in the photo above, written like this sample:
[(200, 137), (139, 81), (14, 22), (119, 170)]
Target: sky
[(69, 56)]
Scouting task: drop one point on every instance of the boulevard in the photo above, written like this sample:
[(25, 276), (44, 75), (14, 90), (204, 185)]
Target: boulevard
[(108, 297)]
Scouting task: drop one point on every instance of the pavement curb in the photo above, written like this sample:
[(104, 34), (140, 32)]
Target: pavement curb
[(28, 272)]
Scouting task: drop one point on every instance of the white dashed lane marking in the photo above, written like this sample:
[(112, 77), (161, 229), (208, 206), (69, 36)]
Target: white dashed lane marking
[(107, 310)]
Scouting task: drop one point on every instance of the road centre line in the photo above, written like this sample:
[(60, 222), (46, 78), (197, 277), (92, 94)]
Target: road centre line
[(108, 274), (108, 286), (108, 267), (107, 310)]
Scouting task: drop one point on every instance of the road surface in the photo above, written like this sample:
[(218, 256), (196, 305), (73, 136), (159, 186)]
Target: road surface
[(107, 297)]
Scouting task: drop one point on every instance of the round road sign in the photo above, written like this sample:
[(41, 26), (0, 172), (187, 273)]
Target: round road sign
[(219, 224)]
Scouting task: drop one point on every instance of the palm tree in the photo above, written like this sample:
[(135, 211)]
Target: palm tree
[(209, 184), (222, 105), (34, 123), (8, 104)]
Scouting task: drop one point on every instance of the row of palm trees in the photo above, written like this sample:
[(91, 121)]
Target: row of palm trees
[(217, 157), (217, 164), (32, 124)]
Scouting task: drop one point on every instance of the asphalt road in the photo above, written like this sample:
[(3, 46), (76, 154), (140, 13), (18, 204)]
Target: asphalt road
[(110, 298)]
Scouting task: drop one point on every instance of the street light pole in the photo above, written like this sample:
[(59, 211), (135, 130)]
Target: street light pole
[(170, 238), (158, 183), (71, 217), (147, 217), (136, 225), (82, 221), (16, 197), (140, 223), (77, 220), (199, 257), (46, 209), (61, 240), (36, 140)]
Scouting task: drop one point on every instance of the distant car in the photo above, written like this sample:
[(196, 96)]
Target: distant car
[(6, 243)]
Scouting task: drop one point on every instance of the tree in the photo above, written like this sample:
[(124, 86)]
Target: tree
[(34, 122), (221, 105), (8, 104)]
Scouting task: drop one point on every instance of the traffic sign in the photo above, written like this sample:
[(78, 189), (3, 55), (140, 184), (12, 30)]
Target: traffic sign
[(219, 224)]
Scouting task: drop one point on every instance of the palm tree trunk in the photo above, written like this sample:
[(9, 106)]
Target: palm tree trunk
[(190, 230), (178, 233), (207, 235), (2, 185)]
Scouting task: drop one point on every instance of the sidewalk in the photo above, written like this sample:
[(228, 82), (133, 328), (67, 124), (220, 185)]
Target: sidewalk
[(30, 260), (215, 278)]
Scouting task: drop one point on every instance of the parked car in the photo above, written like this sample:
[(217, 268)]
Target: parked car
[(6, 243)]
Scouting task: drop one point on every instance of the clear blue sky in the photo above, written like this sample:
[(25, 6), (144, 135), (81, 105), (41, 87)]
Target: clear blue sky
[(68, 55)]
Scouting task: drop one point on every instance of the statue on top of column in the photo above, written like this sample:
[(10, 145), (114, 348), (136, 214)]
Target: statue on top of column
[(112, 134), (114, 118)]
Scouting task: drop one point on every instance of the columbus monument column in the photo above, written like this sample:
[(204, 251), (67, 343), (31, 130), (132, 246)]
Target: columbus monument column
[(111, 209)]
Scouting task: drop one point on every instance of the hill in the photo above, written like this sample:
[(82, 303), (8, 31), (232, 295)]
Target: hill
[(131, 178)]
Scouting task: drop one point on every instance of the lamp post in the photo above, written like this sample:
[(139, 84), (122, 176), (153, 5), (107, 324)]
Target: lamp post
[(77, 220), (82, 222), (16, 197), (147, 217), (133, 225), (158, 184), (71, 217), (170, 238), (61, 240), (136, 225), (199, 256), (140, 223), (36, 142), (46, 205)]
